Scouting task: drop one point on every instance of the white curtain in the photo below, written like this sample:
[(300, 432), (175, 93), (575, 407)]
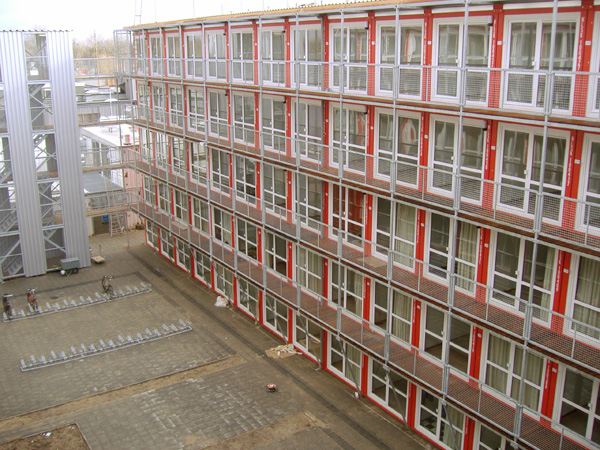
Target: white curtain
[(587, 300), (466, 255)]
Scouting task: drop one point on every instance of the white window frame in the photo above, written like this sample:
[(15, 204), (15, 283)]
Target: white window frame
[(309, 271), (351, 70), (161, 150), (440, 413), (248, 297), (272, 71), (276, 253), (198, 161), (593, 103), (220, 170), (202, 267), (179, 155), (173, 54), (242, 67), (347, 289), (396, 70), (176, 106), (341, 149), (218, 110), (222, 226), (201, 216), (243, 118), (307, 72), (156, 55), (307, 336), (245, 179), (400, 157), (159, 109), (530, 186), (164, 197), (141, 55), (274, 136), (275, 189), (461, 61), (306, 140), (346, 223), (399, 213), (183, 255), (589, 201), (152, 234), (144, 111), (390, 382), (194, 45), (309, 201), (536, 72), (181, 205), (167, 248), (149, 190), (275, 314), (223, 281), (216, 55), (442, 168), (196, 110), (391, 312), (573, 302), (247, 238), (344, 360)]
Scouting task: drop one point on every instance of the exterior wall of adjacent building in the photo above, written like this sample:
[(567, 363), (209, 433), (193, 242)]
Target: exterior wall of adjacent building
[(43, 214), (406, 193)]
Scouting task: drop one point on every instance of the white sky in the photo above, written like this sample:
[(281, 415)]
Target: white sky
[(83, 17)]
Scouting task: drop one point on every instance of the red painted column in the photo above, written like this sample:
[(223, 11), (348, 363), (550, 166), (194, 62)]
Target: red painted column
[(584, 56), (364, 375), (288, 126), (289, 201), (489, 169), (412, 405), (427, 54), (326, 142), (574, 152), (326, 50), (496, 56), (368, 224), (424, 145), (469, 432), (290, 324), (549, 395), (482, 264), (259, 245), (235, 292), (255, 55), (288, 53), (559, 305), (476, 345), (371, 53), (257, 106), (370, 150)]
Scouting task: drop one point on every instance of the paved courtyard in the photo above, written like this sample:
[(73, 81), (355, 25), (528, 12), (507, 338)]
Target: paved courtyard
[(202, 388)]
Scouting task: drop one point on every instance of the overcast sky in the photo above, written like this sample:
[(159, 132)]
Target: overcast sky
[(84, 17)]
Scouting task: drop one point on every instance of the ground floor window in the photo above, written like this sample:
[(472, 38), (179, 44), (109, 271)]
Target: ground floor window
[(223, 281), (166, 245), (248, 297), (388, 388), (183, 255), (307, 336), (345, 361), (276, 314), (202, 268), (442, 422)]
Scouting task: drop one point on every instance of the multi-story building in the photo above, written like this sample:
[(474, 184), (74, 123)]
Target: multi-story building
[(406, 192), (42, 210)]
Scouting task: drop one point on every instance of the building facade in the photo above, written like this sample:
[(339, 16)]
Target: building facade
[(42, 211), (408, 193)]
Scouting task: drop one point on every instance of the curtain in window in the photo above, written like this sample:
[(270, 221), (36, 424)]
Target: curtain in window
[(404, 235), (587, 300), (499, 355), (466, 255)]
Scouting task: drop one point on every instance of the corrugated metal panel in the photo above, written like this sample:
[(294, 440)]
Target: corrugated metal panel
[(18, 117), (60, 55)]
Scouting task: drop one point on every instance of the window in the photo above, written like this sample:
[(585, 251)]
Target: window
[(276, 314), (149, 190), (512, 275), (140, 49), (243, 118), (519, 169), (307, 336), (504, 367), (217, 104), (245, 179), (161, 150), (436, 340), (181, 205), (345, 360), (273, 57), (275, 189), (585, 305), (143, 101), (528, 60), (276, 253), (166, 245), (593, 102), (444, 158), (308, 129), (348, 215), (216, 54), (242, 55), (589, 211), (183, 255), (403, 50), (347, 288), (401, 153), (196, 118), (200, 218), (392, 312), (176, 106), (396, 230), (489, 440), (273, 123), (223, 281), (222, 226), (198, 161), (195, 63), (441, 245), (220, 169), (442, 422), (309, 201), (449, 58), (349, 144), (580, 405), (246, 239), (247, 297), (350, 46), (388, 388), (309, 270), (158, 107), (156, 55), (146, 145), (173, 55), (164, 197), (202, 267), (152, 234), (308, 57), (179, 153)]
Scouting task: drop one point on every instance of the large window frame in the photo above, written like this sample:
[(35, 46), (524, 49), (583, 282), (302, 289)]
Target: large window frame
[(173, 54), (527, 58), (179, 156), (275, 314), (347, 214), (344, 360), (176, 106), (156, 55), (443, 423), (588, 207), (220, 170), (201, 216), (218, 110), (198, 161), (159, 109), (348, 131), (216, 55), (518, 168), (309, 270), (392, 312), (348, 58), (248, 297), (346, 289), (243, 118), (272, 52), (242, 56), (245, 179), (583, 300), (275, 189), (202, 267), (274, 118), (194, 55), (196, 111), (276, 253), (307, 123), (309, 201), (222, 226), (223, 281), (399, 58), (394, 232), (307, 53), (388, 388), (247, 238)]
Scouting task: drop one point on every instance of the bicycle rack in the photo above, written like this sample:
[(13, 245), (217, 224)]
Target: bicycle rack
[(102, 347), (66, 305)]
